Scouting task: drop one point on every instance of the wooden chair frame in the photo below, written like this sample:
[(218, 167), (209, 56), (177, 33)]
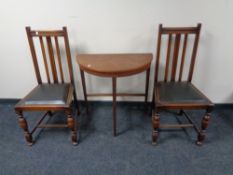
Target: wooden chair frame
[(157, 104), (50, 109)]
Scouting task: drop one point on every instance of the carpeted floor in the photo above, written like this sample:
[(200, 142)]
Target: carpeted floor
[(131, 152)]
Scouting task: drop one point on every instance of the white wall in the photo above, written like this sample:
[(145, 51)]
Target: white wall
[(117, 26)]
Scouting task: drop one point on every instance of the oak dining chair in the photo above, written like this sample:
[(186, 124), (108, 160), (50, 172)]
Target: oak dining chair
[(55, 90), (173, 90)]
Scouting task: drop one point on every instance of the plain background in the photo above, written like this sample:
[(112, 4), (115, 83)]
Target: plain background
[(117, 26)]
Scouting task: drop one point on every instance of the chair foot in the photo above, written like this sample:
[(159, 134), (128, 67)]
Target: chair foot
[(74, 143), (24, 125), (30, 143), (74, 138), (199, 143), (155, 136), (200, 138), (202, 134), (28, 138)]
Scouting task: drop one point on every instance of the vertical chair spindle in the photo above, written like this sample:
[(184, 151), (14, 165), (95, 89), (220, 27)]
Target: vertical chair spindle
[(59, 59)]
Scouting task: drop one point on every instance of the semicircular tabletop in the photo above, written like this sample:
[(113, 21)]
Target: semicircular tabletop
[(114, 65)]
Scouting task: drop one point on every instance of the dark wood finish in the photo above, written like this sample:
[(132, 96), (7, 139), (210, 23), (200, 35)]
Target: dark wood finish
[(23, 124), (176, 126), (175, 57), (177, 104), (146, 85), (71, 72), (117, 94), (84, 88), (68, 54), (202, 132), (114, 84), (44, 33), (49, 109), (52, 61), (59, 59), (38, 123), (34, 57), (45, 59), (168, 58), (194, 53), (53, 126), (183, 57), (158, 55), (71, 126), (114, 66), (178, 30)]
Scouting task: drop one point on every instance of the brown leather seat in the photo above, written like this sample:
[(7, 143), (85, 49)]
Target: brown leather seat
[(47, 94), (179, 92)]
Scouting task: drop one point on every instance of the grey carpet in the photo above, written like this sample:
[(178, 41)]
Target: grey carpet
[(131, 152)]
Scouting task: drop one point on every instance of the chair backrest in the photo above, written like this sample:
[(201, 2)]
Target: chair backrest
[(46, 41), (174, 35)]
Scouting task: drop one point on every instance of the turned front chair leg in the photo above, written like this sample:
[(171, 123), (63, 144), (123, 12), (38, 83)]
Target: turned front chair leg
[(202, 133), (155, 125), (71, 126), (23, 124)]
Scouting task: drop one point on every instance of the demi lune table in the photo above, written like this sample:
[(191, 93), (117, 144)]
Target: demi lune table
[(114, 66)]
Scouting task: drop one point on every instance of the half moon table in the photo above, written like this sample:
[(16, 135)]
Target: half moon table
[(114, 66)]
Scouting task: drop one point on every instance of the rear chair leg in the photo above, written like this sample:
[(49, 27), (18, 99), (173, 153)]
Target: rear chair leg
[(50, 113), (180, 112), (155, 125), (71, 126), (23, 124), (77, 106), (202, 134), (78, 111), (76, 103)]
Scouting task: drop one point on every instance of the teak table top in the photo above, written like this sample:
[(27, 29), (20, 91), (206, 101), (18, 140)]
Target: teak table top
[(114, 65)]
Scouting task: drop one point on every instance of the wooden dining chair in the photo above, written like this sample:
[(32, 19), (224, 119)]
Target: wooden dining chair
[(57, 92), (173, 91)]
